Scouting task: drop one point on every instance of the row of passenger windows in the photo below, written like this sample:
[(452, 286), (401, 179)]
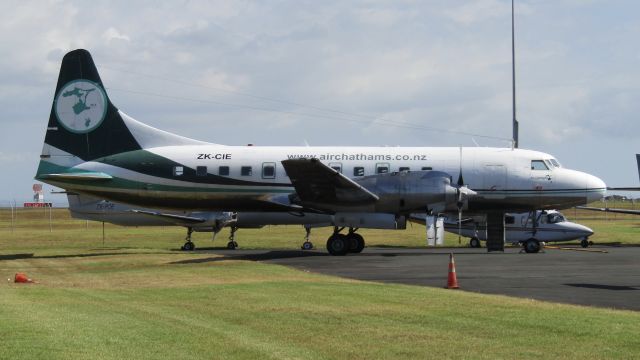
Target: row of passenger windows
[(269, 170)]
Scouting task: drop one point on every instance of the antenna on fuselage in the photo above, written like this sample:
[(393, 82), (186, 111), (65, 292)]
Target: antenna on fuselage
[(513, 78)]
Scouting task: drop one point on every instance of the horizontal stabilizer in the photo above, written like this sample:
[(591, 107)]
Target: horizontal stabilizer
[(88, 176), (172, 218), (317, 183)]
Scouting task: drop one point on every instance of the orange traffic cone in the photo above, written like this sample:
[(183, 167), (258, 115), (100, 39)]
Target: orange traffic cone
[(22, 278), (452, 280)]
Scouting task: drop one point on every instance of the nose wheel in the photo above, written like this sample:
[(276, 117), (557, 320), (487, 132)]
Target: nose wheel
[(307, 245), (188, 245), (232, 244)]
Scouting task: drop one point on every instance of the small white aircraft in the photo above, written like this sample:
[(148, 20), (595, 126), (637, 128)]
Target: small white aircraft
[(90, 208), (93, 148), (526, 229)]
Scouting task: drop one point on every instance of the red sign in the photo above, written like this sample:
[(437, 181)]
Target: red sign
[(37, 205)]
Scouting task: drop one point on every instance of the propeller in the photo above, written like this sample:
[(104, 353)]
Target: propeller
[(462, 193)]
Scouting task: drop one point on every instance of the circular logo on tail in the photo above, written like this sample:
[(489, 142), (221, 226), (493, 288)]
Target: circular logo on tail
[(80, 106)]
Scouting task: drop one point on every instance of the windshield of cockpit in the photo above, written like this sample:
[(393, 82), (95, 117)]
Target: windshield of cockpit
[(555, 218), (546, 164)]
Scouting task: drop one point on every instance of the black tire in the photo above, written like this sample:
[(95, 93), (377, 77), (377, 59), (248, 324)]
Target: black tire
[(584, 243), (308, 245), (474, 242), (338, 244), (231, 245), (532, 246), (356, 243), (188, 246)]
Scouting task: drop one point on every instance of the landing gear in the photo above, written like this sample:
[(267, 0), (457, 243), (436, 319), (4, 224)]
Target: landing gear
[(531, 246), (308, 245), (189, 245), (232, 244), (474, 242), (585, 243), (356, 241), (340, 244), (337, 244)]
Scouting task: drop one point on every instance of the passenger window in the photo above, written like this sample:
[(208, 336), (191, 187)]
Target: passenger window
[(201, 171), (358, 171), (269, 171), (426, 168), (178, 170), (538, 165), (382, 168), (509, 219), (246, 171), (223, 171), (403, 168), (336, 166)]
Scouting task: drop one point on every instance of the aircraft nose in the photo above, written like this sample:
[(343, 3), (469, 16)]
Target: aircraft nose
[(586, 231), (595, 187)]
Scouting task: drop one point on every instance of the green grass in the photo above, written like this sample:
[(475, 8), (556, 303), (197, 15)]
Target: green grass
[(137, 297)]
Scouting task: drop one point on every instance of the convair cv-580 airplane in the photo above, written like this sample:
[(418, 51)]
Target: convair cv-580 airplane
[(93, 148)]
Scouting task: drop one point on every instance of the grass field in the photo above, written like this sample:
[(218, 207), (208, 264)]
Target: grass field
[(136, 296)]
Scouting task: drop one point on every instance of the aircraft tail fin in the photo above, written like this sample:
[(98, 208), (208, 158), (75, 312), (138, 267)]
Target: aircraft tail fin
[(85, 126)]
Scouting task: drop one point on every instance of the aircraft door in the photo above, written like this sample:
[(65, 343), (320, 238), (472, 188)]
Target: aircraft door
[(494, 177)]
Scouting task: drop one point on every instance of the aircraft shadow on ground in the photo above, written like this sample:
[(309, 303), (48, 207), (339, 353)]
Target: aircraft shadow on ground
[(16, 256), (605, 287), (269, 255), (63, 256), (256, 255)]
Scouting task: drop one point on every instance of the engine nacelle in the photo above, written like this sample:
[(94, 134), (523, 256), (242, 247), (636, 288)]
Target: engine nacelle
[(411, 191)]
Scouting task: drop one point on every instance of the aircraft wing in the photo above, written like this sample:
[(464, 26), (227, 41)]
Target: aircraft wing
[(619, 211), (172, 218), (624, 188), (318, 184)]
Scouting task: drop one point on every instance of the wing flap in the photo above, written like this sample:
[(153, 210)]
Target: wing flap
[(317, 183)]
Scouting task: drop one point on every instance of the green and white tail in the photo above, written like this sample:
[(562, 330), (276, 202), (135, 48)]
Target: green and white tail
[(85, 126)]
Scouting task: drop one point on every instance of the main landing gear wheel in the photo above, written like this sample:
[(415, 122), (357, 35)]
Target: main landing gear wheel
[(585, 243), (232, 245), (188, 245), (474, 242), (356, 243), (338, 244), (532, 246)]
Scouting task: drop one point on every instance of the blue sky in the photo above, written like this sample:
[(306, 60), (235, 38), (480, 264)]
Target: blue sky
[(337, 73)]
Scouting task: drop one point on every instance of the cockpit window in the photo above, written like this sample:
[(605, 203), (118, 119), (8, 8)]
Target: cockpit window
[(555, 218), (549, 164), (555, 162), (538, 165)]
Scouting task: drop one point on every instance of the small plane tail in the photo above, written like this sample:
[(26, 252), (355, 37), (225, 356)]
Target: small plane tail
[(85, 126)]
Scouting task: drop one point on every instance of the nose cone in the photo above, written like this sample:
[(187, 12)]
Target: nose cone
[(596, 188), (584, 231)]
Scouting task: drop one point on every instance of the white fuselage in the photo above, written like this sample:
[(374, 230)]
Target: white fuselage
[(249, 176)]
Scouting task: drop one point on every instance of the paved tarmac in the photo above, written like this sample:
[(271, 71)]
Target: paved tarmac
[(594, 278)]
